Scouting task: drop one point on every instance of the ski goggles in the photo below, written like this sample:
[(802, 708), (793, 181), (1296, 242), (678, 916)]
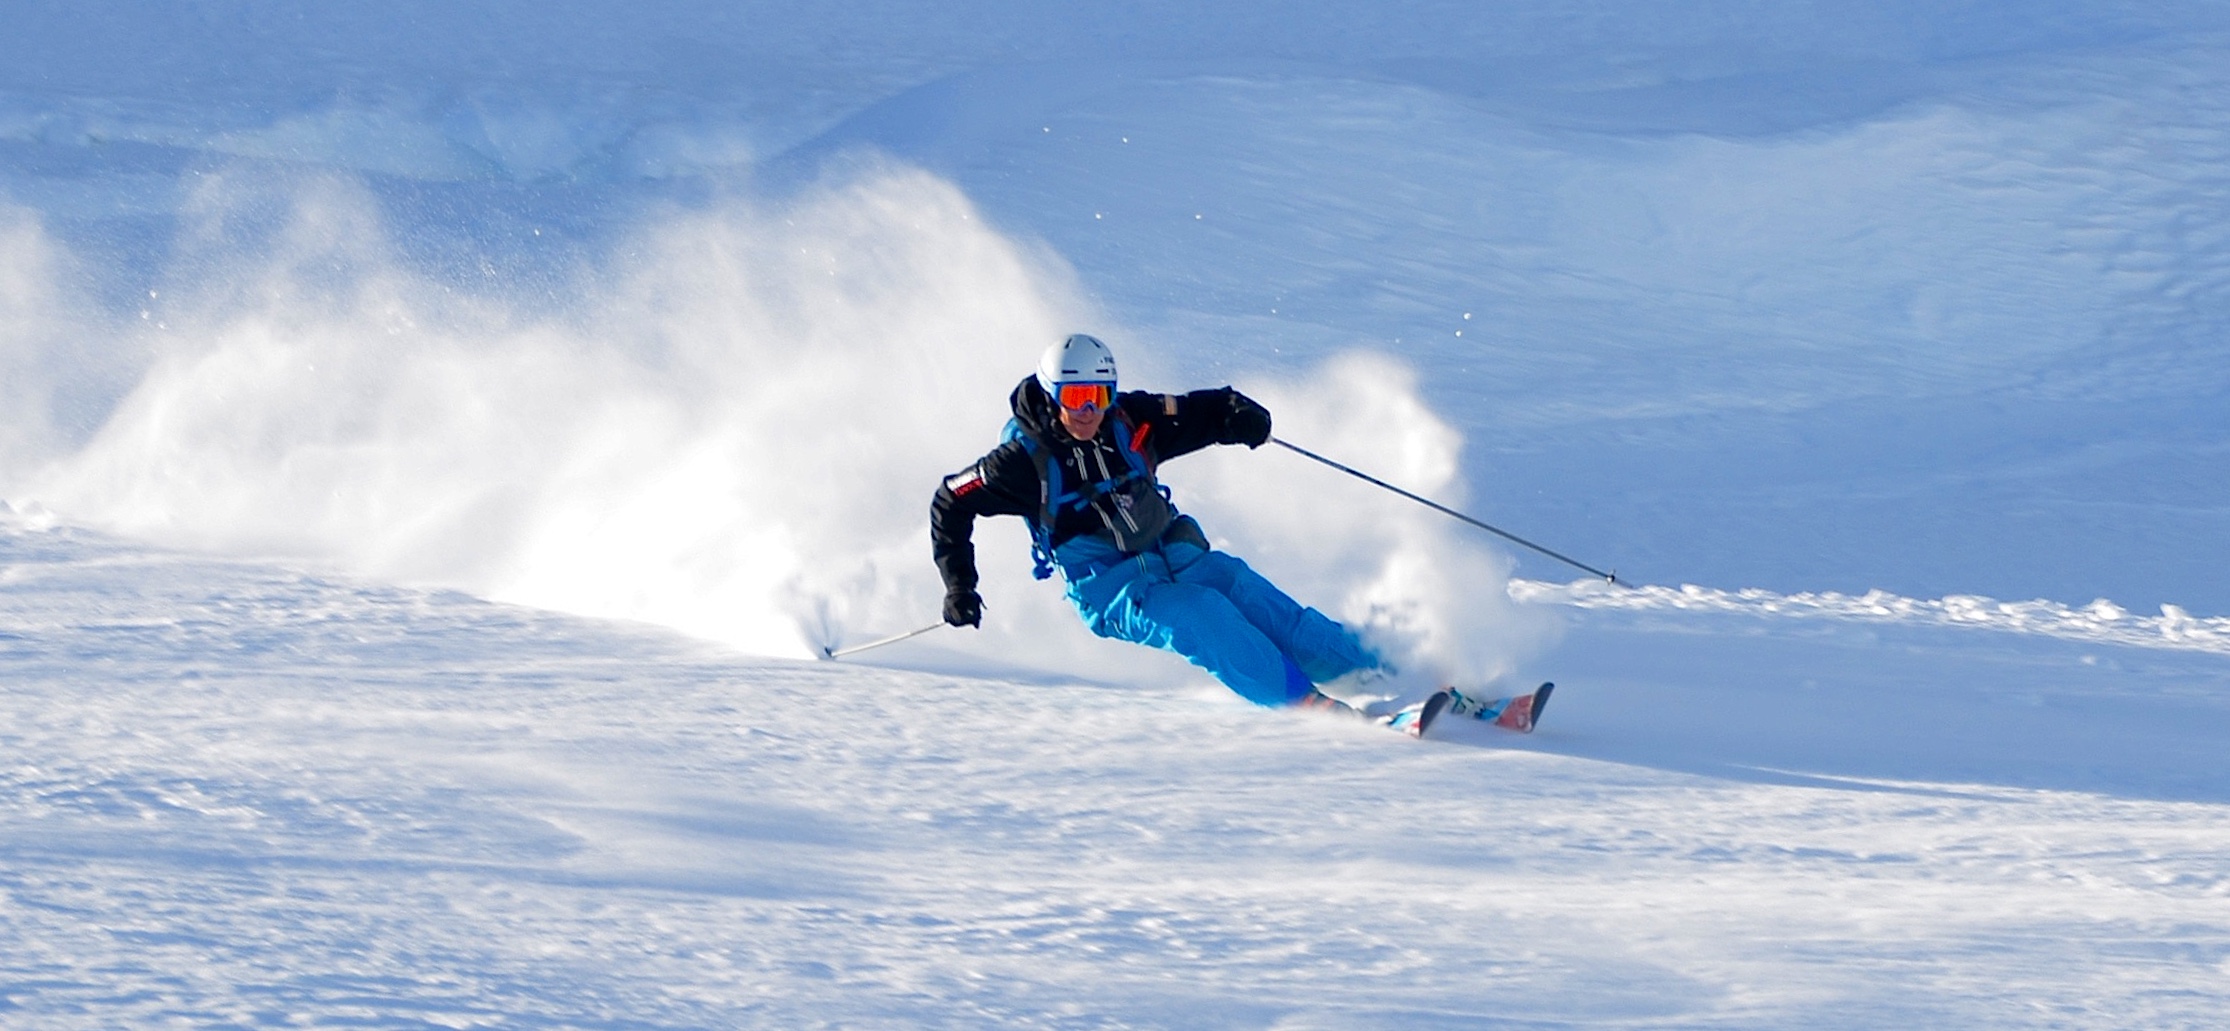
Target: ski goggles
[(1085, 397)]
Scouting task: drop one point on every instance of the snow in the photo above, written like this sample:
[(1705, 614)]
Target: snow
[(2101, 620), (239, 795), (434, 438)]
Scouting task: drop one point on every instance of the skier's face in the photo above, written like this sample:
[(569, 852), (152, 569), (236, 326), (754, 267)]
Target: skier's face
[(1083, 425)]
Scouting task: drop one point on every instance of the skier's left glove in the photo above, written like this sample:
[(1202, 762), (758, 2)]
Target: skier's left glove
[(1249, 423)]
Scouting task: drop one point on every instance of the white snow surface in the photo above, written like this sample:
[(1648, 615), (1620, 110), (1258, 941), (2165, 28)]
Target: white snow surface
[(434, 438), (2101, 621)]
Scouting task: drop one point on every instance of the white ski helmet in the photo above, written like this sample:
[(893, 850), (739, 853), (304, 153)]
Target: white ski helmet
[(1079, 359)]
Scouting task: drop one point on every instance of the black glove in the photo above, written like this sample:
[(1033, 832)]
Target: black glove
[(1249, 423), (963, 607)]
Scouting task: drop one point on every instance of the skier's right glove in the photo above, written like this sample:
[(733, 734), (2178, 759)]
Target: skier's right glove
[(963, 607)]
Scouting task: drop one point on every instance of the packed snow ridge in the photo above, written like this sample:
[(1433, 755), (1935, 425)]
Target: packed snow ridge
[(2101, 621)]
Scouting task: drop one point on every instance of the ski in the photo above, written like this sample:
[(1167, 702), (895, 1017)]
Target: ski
[(1520, 712), (1411, 720), (1416, 719)]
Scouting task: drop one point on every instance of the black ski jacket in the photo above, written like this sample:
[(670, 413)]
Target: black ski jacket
[(1006, 481)]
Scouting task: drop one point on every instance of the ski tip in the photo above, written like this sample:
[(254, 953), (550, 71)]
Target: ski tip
[(1540, 702), (1428, 713), (828, 653)]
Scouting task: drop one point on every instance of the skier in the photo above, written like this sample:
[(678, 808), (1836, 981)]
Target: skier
[(1078, 464)]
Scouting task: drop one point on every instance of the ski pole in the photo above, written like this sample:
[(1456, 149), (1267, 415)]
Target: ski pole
[(1445, 510), (833, 652)]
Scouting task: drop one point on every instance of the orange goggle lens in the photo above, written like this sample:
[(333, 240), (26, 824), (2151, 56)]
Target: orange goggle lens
[(1087, 397)]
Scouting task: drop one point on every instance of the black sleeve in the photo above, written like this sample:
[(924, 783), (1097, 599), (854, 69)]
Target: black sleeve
[(1185, 423), (1004, 482)]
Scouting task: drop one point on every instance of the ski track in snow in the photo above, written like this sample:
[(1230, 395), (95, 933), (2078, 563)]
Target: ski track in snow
[(237, 795), (2101, 621)]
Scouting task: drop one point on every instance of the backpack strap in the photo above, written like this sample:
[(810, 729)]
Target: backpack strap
[(1049, 489), (1135, 453)]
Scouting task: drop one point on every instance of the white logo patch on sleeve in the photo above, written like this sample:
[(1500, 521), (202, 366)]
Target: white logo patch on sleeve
[(962, 483)]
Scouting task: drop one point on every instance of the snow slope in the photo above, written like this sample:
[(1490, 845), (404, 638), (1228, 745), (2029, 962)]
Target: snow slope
[(245, 797), (433, 433)]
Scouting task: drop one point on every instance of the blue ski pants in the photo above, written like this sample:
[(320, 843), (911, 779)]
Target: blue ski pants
[(1214, 610)]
